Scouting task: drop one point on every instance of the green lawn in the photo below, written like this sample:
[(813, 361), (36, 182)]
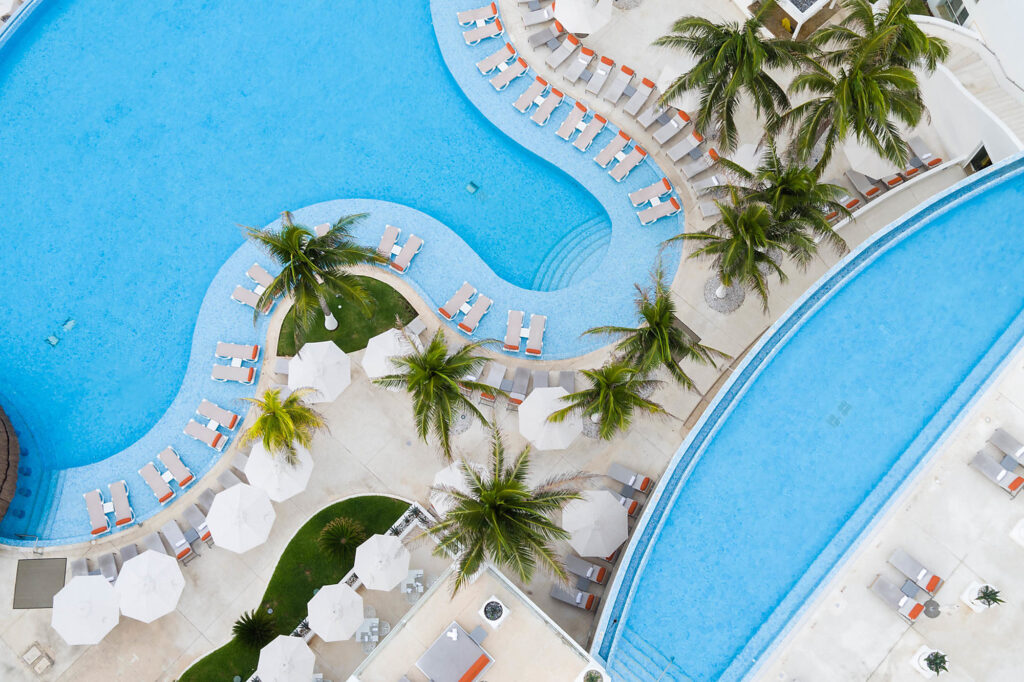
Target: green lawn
[(302, 569), (354, 328)]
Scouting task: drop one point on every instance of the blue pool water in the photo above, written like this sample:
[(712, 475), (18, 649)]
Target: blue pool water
[(139, 135), (840, 403)]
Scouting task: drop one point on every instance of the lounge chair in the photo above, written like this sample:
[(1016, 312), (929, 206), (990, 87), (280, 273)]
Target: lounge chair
[(572, 122), (480, 14), (205, 434), (539, 16), (586, 137), (154, 543), (493, 61), (404, 257), (450, 309), (237, 351), (480, 307), (709, 209), (579, 65), (79, 567), (97, 519), (387, 241), (851, 203), (618, 85), (584, 569), (540, 378), (564, 51), (547, 35), (228, 479), (170, 459), (892, 180), (257, 273), (708, 184), (923, 158), (249, 298), (653, 191), (684, 146), (659, 210), (197, 519), (513, 329), (673, 126), (179, 545), (868, 187), (520, 382), (156, 483), (534, 94), (567, 380), (508, 73), (535, 341), (218, 415), (495, 373), (915, 570), (206, 498), (908, 608), (998, 474), (123, 512), (639, 97), (416, 326), (243, 375), (1008, 445), (631, 161), (653, 114), (618, 143), (482, 32), (604, 67), (578, 598), (700, 164), (542, 113), (628, 477), (108, 566), (624, 496), (129, 551)]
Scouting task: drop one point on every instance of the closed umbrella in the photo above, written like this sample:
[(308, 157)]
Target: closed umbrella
[(323, 367), (596, 523), (280, 478), (382, 562), (240, 518), (381, 348), (335, 612), (534, 424), (582, 17), (85, 610), (286, 659), (149, 586)]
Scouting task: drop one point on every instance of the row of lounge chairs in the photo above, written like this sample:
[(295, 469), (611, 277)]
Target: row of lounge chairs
[(907, 599), (251, 297), (1002, 472), (515, 332), (517, 387), (237, 354), (472, 313), (401, 255)]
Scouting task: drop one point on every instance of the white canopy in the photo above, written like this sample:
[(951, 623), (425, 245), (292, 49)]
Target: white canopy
[(85, 610), (149, 586), (596, 523), (240, 518), (323, 367), (335, 612), (534, 424), (583, 16), (276, 475), (286, 659), (382, 562), (381, 348)]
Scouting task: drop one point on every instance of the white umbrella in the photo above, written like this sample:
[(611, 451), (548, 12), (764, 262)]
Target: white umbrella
[(335, 612), (596, 523), (381, 348), (323, 367), (149, 586), (85, 610), (286, 659), (240, 518), (534, 424), (583, 16), (449, 477), (276, 475), (382, 562)]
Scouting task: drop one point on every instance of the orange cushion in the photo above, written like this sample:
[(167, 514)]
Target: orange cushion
[(628, 71), (486, 395), (559, 27), (252, 371), (600, 574), (167, 497), (648, 83), (397, 267), (933, 583), (683, 115), (853, 202), (573, 39), (509, 47), (206, 537), (234, 420), (121, 522), (531, 351), (497, 23), (186, 481), (465, 328), (640, 150), (255, 352), (713, 154), (587, 51), (1017, 483), (556, 93), (590, 601), (894, 181), (697, 136), (934, 162), (631, 509), (912, 171), (607, 61), (581, 106), (508, 347), (446, 315), (216, 439), (600, 118), (643, 484), (97, 531), (475, 669), (916, 611), (184, 552), (675, 205), (668, 185)]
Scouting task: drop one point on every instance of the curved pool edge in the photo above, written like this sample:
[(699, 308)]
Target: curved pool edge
[(622, 589)]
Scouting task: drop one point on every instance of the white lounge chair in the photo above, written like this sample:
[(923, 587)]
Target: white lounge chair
[(123, 512), (618, 85), (387, 241), (674, 125), (172, 462), (179, 545), (217, 415), (652, 114), (450, 309), (575, 597), (484, 31), (998, 474), (197, 520), (508, 73), (653, 191), (535, 341), (631, 161), (564, 51), (204, 434), (520, 382), (404, 257), (618, 143), (604, 67), (708, 184), (237, 351), (573, 122), (495, 373), (513, 331), (684, 146), (258, 274), (585, 569), (700, 164), (915, 570), (534, 94), (1007, 444), (156, 483), (542, 113), (908, 608), (639, 97), (869, 188), (575, 69), (480, 307), (593, 128), (547, 35), (243, 375), (475, 16), (249, 298), (496, 59), (658, 211), (709, 209), (539, 16), (627, 476), (97, 518)]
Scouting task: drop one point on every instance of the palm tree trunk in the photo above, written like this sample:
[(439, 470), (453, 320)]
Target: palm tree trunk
[(721, 290), (329, 322)]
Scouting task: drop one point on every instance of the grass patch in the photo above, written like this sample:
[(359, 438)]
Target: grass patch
[(354, 328), (302, 568)]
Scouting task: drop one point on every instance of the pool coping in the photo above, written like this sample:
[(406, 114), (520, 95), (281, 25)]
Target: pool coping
[(621, 592)]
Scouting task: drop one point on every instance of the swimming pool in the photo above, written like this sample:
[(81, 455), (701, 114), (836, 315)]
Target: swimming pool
[(138, 136), (829, 415)]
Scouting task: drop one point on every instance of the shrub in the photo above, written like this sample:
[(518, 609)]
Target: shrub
[(989, 596), (340, 537), (254, 629), (936, 662)]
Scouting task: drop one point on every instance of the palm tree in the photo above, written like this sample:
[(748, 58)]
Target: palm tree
[(503, 520), (657, 341), (282, 424), (434, 377), (745, 244), (314, 269), (906, 44), (732, 60), (616, 392)]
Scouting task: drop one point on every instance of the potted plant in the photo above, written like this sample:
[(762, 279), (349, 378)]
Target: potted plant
[(989, 596), (936, 662), (593, 676)]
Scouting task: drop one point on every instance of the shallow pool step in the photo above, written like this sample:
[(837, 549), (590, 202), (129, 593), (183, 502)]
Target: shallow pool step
[(561, 262), (640, 657)]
